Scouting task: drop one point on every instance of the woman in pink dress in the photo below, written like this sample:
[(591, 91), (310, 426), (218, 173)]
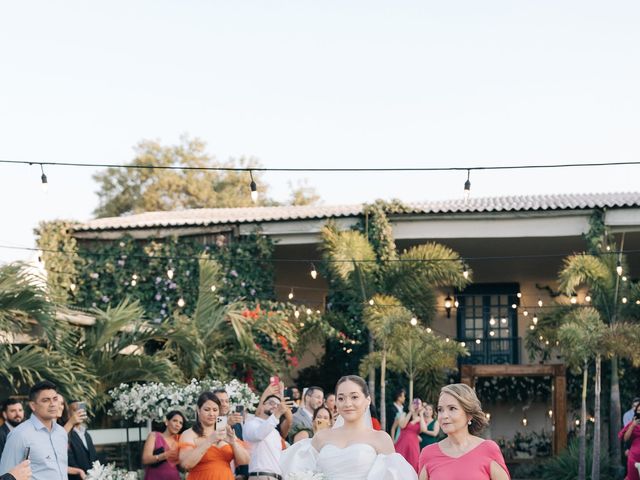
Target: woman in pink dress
[(462, 455), (630, 434), (411, 426), (160, 452)]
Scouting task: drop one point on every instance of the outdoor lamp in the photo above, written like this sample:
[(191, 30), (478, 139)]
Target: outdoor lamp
[(448, 302)]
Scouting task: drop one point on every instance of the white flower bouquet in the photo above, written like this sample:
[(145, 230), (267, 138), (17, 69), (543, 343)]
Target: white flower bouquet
[(151, 401), (306, 475), (109, 472)]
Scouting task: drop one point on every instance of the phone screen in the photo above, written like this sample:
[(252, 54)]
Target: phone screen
[(82, 406), (27, 453), (239, 408), (221, 422), (275, 380)]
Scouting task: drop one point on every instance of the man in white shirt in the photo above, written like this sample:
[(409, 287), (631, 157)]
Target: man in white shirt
[(262, 434)]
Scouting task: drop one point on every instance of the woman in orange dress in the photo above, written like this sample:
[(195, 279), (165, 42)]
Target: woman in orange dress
[(206, 452)]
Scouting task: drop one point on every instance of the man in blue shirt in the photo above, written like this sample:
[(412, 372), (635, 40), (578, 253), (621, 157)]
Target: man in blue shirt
[(46, 440)]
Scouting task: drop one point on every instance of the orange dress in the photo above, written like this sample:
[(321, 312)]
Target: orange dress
[(214, 464)]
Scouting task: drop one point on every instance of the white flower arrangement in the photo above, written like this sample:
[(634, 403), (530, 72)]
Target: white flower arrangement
[(151, 401), (306, 475), (109, 472)]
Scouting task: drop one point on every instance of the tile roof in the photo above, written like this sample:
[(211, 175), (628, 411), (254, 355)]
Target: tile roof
[(221, 216)]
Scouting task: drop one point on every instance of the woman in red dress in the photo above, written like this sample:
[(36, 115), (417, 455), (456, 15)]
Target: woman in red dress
[(411, 425), (630, 434), (462, 455)]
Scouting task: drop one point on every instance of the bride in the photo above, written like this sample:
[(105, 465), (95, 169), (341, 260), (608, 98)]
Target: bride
[(352, 451)]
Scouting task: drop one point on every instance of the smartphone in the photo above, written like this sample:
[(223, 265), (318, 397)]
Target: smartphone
[(82, 406), (288, 392), (221, 422), (27, 454), (240, 409), (275, 380)]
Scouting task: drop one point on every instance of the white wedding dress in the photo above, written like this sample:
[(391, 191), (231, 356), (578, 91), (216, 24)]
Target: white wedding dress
[(359, 461)]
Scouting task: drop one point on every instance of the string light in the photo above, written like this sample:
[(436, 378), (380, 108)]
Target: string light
[(465, 270), (492, 333), (624, 278), (213, 288), (540, 302), (309, 312), (492, 321), (477, 341), (525, 313), (72, 287), (314, 272), (525, 422), (550, 413), (574, 298), (587, 298), (43, 179), (456, 303), (414, 321), (371, 302), (619, 268), (624, 300), (170, 273), (181, 302), (467, 186), (429, 330), (519, 294), (291, 294), (535, 319), (254, 188), (296, 313)]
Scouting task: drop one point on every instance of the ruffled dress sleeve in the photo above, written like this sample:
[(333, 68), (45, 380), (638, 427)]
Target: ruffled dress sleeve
[(299, 457), (391, 467)]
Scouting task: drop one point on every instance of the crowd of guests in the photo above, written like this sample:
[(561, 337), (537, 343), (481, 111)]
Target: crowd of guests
[(224, 443)]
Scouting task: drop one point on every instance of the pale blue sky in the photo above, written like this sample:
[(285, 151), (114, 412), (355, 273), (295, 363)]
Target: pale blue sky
[(319, 83)]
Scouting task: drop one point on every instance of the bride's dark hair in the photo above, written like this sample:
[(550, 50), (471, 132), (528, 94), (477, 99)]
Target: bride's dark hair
[(357, 380)]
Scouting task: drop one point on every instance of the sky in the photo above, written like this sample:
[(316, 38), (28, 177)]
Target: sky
[(318, 84)]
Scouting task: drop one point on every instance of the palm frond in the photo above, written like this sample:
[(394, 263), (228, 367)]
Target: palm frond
[(585, 269)]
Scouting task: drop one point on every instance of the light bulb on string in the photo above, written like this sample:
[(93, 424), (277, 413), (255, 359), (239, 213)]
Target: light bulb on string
[(519, 294), (414, 321), (291, 294), (72, 287), (170, 273), (535, 319), (465, 270), (540, 302), (525, 313), (456, 303), (43, 179), (254, 188), (309, 312), (314, 272), (296, 313), (181, 302), (574, 298), (587, 298), (624, 300), (213, 288), (467, 187), (429, 330), (371, 302), (619, 268)]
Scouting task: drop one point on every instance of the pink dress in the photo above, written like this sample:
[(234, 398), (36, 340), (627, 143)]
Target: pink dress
[(634, 452), (473, 465), (408, 444)]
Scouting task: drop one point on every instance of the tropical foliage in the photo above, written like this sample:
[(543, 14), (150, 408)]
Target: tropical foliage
[(371, 280)]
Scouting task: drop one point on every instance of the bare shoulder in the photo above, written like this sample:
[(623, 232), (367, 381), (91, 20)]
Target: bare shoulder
[(383, 443), (320, 438), (188, 436)]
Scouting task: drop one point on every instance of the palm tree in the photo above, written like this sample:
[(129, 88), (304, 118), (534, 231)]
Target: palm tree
[(384, 320), (423, 358), (580, 340), (28, 325), (360, 270), (221, 335), (603, 272)]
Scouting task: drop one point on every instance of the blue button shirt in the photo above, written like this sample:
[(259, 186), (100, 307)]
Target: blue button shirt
[(48, 453)]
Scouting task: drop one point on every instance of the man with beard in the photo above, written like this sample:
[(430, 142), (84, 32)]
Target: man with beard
[(261, 432), (13, 415)]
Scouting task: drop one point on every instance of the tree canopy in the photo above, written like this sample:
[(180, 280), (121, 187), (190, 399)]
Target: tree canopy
[(134, 190)]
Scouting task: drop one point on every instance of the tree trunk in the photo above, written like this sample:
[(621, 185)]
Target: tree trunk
[(372, 369), (410, 390), (582, 455), (615, 416), (595, 465), (383, 391)]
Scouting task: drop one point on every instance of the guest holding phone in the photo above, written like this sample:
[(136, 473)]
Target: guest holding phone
[(82, 452), (208, 448), (411, 425), (234, 418), (161, 450), (322, 418)]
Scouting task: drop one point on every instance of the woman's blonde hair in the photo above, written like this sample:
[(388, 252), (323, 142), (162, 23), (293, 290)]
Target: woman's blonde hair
[(468, 399)]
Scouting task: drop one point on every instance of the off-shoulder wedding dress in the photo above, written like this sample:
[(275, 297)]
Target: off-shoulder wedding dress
[(359, 461)]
